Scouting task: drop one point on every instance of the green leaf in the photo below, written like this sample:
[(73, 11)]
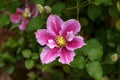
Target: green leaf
[(7, 57), (117, 24), (118, 49), (118, 5), (12, 8), (2, 64), (4, 20), (94, 11), (29, 64), (10, 69), (32, 75), (93, 49), (2, 5), (56, 75), (98, 2), (113, 11), (11, 43), (35, 23), (45, 67), (21, 41), (42, 2), (13, 26), (89, 29), (83, 21), (26, 53), (78, 62), (66, 68), (57, 8), (95, 70), (35, 56), (113, 37), (106, 2)]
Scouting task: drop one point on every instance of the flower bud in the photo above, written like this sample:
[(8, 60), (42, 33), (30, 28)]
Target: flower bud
[(47, 9), (114, 57), (39, 8)]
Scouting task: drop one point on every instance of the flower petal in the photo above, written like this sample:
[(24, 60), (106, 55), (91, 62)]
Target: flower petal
[(69, 36), (70, 25), (77, 42), (54, 23), (27, 4), (15, 18), (19, 11), (51, 43), (66, 56), (23, 25), (32, 7), (35, 14), (43, 36), (48, 55)]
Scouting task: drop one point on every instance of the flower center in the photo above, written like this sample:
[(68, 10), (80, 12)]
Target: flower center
[(60, 41), (26, 13)]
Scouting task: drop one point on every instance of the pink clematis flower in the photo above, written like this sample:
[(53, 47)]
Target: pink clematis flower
[(24, 16), (60, 40)]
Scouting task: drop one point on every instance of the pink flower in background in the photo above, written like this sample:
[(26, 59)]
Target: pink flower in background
[(23, 16), (60, 40)]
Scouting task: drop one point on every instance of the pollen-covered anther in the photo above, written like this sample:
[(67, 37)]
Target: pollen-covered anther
[(60, 41), (26, 13)]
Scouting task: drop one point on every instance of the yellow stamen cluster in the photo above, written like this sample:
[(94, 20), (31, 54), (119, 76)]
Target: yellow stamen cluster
[(60, 41), (25, 14)]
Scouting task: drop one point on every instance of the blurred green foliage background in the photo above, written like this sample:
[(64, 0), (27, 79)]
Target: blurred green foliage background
[(98, 60)]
